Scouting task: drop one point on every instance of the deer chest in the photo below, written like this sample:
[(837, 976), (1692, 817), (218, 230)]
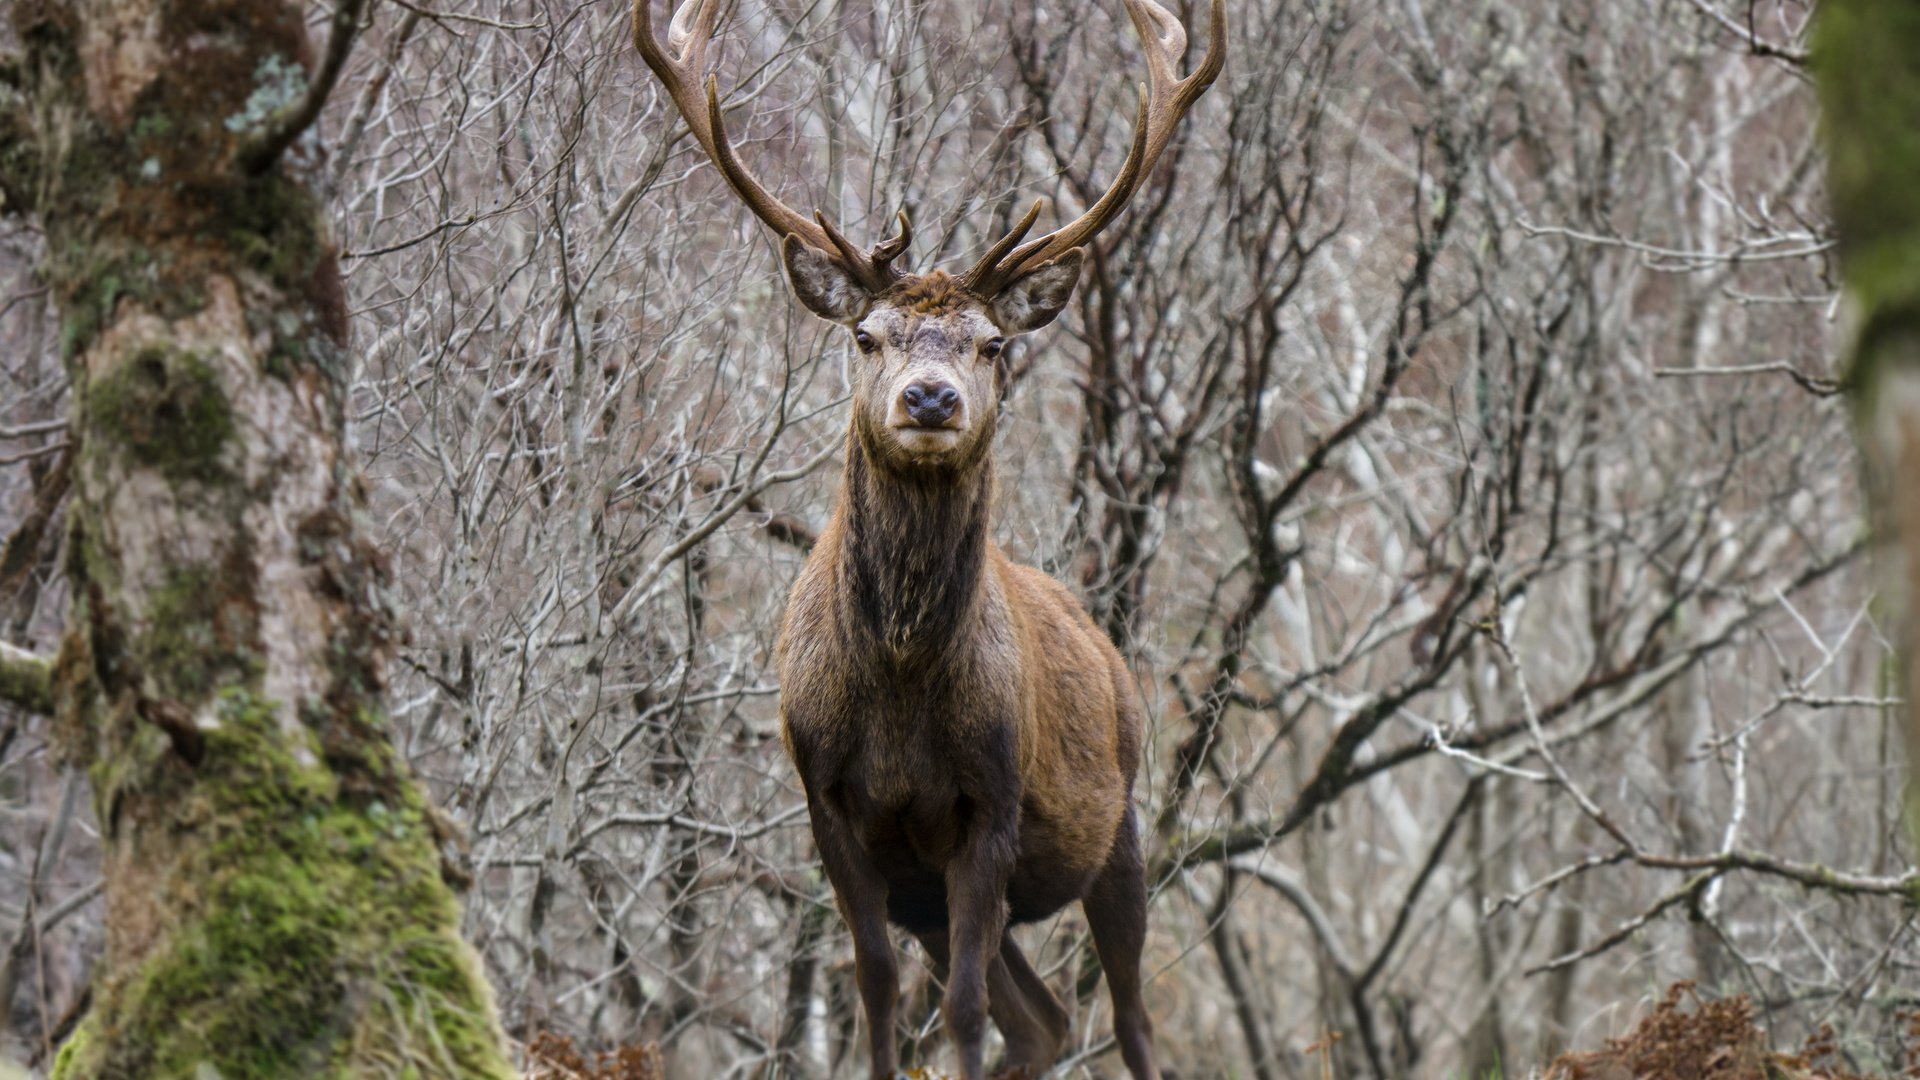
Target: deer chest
[(911, 783)]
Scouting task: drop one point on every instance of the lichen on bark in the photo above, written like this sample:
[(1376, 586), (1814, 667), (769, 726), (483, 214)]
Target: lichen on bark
[(275, 900)]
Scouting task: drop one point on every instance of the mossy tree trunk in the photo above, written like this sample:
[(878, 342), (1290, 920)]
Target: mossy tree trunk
[(274, 886), (1867, 63)]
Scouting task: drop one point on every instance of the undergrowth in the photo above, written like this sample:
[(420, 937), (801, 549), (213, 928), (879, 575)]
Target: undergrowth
[(553, 1057), (1687, 1037)]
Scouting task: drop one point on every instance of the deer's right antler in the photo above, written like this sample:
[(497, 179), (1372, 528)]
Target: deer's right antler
[(680, 68)]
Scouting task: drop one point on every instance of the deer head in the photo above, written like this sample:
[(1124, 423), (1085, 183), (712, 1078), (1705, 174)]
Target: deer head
[(927, 383)]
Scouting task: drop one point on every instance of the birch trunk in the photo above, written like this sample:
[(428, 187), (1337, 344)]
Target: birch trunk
[(276, 903)]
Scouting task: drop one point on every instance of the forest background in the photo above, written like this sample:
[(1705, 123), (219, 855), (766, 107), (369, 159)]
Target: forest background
[(1450, 435)]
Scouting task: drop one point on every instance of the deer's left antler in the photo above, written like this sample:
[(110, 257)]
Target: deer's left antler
[(1164, 102)]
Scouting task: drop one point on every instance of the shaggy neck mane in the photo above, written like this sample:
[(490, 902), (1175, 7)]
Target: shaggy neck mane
[(915, 547)]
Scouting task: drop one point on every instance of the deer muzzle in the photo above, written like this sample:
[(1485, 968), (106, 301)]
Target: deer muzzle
[(931, 404)]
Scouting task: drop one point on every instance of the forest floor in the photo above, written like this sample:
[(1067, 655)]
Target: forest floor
[(1685, 1037)]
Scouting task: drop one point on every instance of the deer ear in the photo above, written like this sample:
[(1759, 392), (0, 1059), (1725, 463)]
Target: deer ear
[(823, 285), (1037, 297)]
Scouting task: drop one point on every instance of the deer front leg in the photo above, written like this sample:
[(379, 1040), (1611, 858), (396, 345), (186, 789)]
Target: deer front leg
[(976, 917), (1116, 910), (861, 894)]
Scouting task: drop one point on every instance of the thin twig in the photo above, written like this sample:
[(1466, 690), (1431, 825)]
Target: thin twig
[(37, 427), (1755, 44), (32, 453), (1815, 384)]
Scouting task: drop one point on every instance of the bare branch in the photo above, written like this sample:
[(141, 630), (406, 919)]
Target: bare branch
[(258, 152), (1759, 46)]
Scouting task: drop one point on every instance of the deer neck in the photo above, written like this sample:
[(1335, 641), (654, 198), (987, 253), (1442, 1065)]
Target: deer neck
[(915, 549)]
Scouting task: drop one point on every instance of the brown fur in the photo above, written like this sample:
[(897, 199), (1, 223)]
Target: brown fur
[(933, 293), (966, 737)]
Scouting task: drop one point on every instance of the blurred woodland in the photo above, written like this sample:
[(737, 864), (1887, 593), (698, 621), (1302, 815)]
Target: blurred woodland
[(1449, 435)]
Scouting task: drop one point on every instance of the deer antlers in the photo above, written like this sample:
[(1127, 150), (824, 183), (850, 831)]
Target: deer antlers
[(1164, 101)]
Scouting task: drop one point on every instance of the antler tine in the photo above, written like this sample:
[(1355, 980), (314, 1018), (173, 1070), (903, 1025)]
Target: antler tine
[(1164, 102), (684, 31), (688, 35), (680, 72), (841, 246), (1006, 243), (874, 268), (894, 246)]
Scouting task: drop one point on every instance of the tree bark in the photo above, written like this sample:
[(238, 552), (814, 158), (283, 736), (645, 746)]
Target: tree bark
[(275, 901), (1867, 63), (26, 680)]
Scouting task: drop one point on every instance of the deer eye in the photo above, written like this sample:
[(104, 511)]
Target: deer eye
[(865, 341), (993, 348)]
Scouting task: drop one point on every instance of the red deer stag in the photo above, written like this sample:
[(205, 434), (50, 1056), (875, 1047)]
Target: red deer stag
[(966, 737)]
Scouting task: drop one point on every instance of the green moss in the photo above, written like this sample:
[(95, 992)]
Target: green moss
[(74, 1049), (85, 312), (323, 942), (289, 346), (142, 755), (1865, 59), (27, 680), (89, 560), (150, 212), (274, 228), (166, 408), (200, 632), (153, 126), (74, 690)]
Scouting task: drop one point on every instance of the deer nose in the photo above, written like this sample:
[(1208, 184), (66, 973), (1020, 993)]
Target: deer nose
[(930, 404)]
